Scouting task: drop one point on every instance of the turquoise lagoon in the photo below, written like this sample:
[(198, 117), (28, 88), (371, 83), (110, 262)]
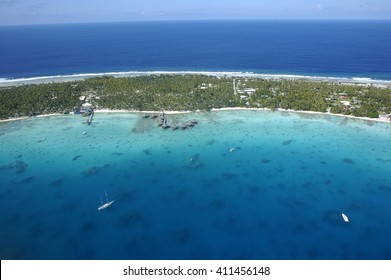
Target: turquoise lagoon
[(185, 194)]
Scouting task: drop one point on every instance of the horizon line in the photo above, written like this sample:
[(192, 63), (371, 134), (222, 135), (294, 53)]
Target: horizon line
[(191, 20)]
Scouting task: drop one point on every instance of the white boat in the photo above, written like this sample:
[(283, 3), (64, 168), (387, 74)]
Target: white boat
[(107, 204), (345, 218)]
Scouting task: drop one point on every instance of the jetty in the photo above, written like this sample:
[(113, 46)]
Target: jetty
[(89, 121), (85, 111)]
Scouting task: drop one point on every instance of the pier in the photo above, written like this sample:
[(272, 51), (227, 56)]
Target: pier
[(85, 111), (89, 121)]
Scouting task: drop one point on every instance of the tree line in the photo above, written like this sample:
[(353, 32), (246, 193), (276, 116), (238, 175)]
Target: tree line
[(194, 92)]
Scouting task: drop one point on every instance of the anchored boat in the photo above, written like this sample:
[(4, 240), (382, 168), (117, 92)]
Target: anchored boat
[(345, 218), (107, 204)]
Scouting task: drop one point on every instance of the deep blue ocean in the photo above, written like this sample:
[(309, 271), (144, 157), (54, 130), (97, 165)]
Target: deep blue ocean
[(316, 48)]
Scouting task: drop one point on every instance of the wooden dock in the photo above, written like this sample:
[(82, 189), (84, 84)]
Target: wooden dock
[(89, 121)]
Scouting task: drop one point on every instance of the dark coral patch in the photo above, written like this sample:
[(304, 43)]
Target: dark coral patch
[(348, 160), (147, 152), (27, 180), (91, 171), (57, 183), (287, 142), (384, 188), (76, 157), (195, 162), (19, 166)]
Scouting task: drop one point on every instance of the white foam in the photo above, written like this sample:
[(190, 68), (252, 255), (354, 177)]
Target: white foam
[(209, 73), (361, 79)]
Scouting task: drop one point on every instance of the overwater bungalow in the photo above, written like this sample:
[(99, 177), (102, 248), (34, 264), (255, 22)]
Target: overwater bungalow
[(166, 125)]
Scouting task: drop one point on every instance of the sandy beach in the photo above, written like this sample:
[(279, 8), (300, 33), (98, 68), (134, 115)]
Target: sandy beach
[(305, 112), (213, 110), (243, 109), (141, 112), (24, 118)]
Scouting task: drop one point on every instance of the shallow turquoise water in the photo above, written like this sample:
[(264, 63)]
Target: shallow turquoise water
[(183, 195)]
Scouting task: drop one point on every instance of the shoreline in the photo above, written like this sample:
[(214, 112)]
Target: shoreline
[(5, 82), (80, 77), (143, 112), (303, 112), (25, 118), (107, 111)]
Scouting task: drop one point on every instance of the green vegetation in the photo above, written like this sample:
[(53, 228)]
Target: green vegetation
[(318, 96), (170, 92), (195, 92), (31, 100)]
